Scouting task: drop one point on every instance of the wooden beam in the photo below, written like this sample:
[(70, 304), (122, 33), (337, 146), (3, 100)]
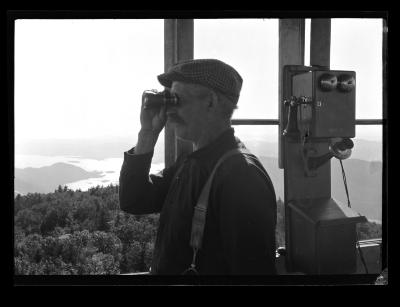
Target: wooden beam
[(169, 60), (320, 42), (178, 46), (239, 121), (385, 140), (271, 122), (291, 52)]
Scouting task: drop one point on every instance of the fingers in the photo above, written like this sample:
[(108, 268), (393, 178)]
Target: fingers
[(163, 113)]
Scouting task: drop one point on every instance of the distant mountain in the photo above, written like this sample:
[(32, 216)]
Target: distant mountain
[(46, 179), (363, 149), (364, 181), (363, 169)]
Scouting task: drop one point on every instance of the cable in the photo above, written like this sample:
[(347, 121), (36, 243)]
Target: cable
[(345, 184), (361, 254), (349, 205)]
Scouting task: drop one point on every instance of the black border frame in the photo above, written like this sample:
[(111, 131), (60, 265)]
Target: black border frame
[(363, 279)]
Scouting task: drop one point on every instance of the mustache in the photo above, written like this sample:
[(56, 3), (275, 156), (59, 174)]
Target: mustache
[(173, 117)]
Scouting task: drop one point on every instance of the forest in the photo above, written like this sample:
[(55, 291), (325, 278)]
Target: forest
[(85, 233)]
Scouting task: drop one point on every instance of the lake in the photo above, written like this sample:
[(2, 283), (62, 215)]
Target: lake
[(109, 168)]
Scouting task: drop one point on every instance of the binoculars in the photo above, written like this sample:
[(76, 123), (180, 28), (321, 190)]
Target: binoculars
[(154, 99)]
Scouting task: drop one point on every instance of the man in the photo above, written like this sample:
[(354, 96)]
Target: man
[(239, 232)]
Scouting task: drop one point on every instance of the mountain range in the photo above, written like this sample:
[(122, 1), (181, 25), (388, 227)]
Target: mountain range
[(363, 169), (114, 148), (364, 179), (47, 178)]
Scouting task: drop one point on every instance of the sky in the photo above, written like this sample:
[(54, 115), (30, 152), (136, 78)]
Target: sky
[(85, 78)]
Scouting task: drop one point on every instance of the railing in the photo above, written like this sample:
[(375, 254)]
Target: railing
[(240, 121), (371, 250)]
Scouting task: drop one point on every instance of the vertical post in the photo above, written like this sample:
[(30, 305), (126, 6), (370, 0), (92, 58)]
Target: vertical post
[(385, 139), (320, 42), (298, 186), (291, 52), (320, 53), (11, 92), (178, 46)]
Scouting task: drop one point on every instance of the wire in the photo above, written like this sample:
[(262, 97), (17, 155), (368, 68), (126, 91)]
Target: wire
[(361, 254), (349, 205), (345, 184)]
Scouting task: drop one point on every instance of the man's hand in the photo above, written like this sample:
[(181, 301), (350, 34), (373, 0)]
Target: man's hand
[(152, 121)]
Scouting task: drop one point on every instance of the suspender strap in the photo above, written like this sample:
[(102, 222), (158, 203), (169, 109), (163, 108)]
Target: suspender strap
[(200, 210)]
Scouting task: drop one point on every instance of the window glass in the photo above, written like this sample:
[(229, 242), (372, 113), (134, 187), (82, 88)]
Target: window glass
[(251, 47), (356, 44), (363, 174), (307, 41), (78, 87)]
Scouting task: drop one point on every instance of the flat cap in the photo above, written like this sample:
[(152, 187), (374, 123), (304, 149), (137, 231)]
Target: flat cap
[(211, 73)]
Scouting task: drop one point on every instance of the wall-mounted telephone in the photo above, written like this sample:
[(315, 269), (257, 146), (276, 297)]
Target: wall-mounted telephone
[(317, 123), (324, 104), (321, 106)]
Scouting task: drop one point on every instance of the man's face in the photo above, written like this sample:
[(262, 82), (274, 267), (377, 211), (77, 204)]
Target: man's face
[(190, 117)]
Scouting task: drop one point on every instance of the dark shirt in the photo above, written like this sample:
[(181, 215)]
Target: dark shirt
[(239, 234)]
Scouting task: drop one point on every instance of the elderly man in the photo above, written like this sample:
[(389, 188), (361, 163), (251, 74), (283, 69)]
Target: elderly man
[(237, 231)]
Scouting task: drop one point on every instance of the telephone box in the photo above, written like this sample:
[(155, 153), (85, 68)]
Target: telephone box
[(332, 111), (320, 107), (324, 236)]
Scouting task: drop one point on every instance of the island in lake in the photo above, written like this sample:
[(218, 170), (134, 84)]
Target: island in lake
[(46, 179)]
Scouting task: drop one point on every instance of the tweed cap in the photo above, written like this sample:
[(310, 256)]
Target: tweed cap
[(210, 73)]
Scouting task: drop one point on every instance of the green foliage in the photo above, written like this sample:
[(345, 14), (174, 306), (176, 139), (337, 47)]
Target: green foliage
[(27, 220), (133, 257), (100, 263), (73, 232), (79, 253), (369, 230)]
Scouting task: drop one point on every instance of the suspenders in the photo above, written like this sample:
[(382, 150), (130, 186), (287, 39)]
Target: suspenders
[(200, 210)]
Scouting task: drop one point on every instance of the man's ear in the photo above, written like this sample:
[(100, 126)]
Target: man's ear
[(213, 100)]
